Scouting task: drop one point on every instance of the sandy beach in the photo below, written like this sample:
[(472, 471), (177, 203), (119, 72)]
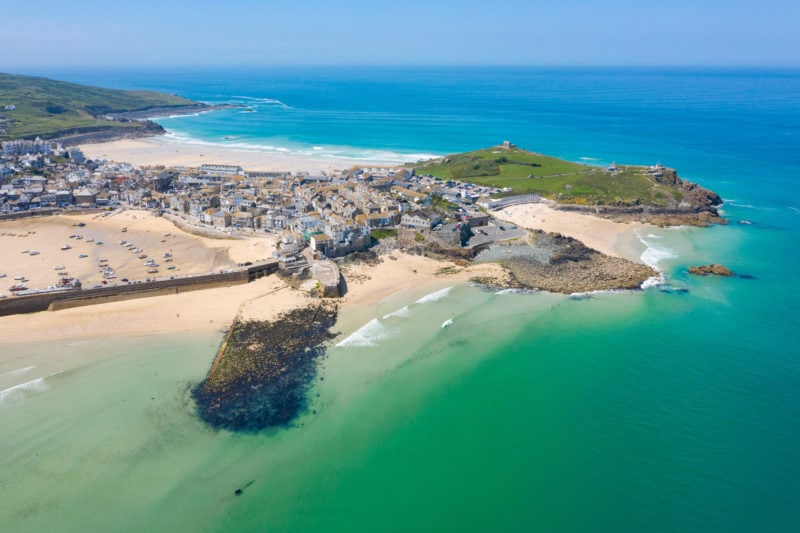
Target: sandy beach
[(42, 248), (152, 151), (604, 235), (211, 309)]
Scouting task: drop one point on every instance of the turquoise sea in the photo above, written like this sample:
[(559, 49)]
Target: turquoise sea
[(657, 410)]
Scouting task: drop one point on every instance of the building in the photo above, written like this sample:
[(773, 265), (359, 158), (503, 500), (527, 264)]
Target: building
[(419, 219)]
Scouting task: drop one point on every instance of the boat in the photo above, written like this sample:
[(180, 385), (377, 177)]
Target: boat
[(168, 260), (89, 240), (152, 270), (171, 267), (26, 251), (143, 256), (124, 230), (2, 275), (19, 278), (99, 243), (66, 247), (80, 224), (34, 252), (83, 255), (78, 237), (18, 287), (62, 267)]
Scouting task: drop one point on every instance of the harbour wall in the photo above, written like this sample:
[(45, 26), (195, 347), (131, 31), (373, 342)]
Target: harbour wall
[(54, 301)]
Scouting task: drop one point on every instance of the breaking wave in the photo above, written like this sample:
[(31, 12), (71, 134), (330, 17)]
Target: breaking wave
[(36, 385), (368, 335), (434, 296), (403, 312)]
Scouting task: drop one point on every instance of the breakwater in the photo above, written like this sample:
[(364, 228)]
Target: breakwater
[(264, 369), (75, 298)]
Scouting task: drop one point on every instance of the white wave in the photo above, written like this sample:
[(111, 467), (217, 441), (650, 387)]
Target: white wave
[(512, 291), (162, 117), (267, 101), (369, 335), (793, 208), (403, 312), (434, 296), (18, 371), (346, 154), (448, 322), (36, 385), (653, 254), (654, 236), (654, 281), (588, 159)]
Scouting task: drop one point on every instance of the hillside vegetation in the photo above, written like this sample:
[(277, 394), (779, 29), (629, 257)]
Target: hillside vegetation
[(526, 172), (49, 108)]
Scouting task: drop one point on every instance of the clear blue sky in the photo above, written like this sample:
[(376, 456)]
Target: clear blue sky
[(93, 33)]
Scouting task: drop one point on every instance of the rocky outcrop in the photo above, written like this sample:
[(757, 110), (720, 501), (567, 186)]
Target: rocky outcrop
[(710, 270), (97, 135), (264, 369), (561, 264), (154, 112)]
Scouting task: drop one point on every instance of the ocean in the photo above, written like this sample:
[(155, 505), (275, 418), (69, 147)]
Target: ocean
[(675, 408)]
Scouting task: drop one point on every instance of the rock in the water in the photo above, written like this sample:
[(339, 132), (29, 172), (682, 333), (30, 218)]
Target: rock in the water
[(712, 269), (262, 374)]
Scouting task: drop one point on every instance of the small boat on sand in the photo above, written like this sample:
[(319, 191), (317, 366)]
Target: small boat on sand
[(66, 247)]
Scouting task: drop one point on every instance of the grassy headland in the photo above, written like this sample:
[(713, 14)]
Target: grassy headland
[(525, 172), (48, 108)]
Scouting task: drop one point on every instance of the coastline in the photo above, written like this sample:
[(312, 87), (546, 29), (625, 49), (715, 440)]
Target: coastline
[(160, 151), (206, 310)]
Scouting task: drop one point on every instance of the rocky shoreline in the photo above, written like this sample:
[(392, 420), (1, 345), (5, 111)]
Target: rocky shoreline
[(555, 263), (264, 369)]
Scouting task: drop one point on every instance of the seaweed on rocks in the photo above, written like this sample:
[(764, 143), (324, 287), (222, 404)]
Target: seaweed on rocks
[(263, 372)]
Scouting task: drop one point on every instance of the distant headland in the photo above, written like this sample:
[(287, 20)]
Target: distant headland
[(33, 107)]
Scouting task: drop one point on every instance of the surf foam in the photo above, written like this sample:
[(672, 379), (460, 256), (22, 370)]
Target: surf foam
[(36, 385), (368, 335), (403, 312), (434, 296)]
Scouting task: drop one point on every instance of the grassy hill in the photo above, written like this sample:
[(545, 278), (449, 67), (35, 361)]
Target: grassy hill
[(49, 108), (527, 172)]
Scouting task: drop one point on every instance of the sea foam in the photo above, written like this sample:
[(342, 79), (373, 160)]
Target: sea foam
[(653, 254), (368, 335), (434, 296), (403, 312), (36, 385)]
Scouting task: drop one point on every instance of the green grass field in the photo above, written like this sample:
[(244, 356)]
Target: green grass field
[(526, 172), (48, 108)]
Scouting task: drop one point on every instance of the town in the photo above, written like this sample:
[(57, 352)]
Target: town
[(331, 213)]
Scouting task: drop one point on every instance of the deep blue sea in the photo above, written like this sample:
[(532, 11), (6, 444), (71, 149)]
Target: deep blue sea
[(655, 410)]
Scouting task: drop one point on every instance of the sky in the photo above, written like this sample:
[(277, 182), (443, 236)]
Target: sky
[(122, 33)]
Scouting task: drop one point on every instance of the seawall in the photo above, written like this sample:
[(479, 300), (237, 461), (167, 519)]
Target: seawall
[(54, 301)]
